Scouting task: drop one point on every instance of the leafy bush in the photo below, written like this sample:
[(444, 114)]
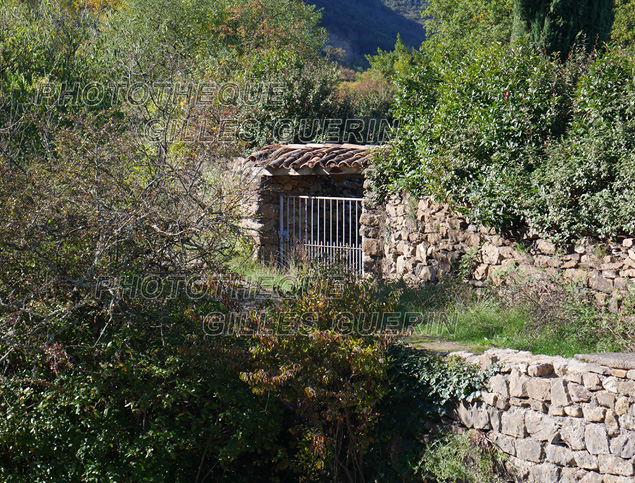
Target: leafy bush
[(472, 127), (148, 399), (514, 139), (329, 370), (584, 186)]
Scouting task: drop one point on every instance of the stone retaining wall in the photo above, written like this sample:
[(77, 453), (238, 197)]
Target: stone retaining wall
[(422, 241), (559, 420)]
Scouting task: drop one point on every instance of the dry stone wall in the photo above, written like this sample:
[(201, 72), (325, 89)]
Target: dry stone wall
[(421, 241), (558, 420)]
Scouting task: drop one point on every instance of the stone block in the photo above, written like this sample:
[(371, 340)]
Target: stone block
[(586, 460), (541, 426), (600, 283), (372, 247), (560, 455), (505, 443), (426, 274), (596, 439), (545, 247), (559, 393), (481, 272), (489, 398), (521, 402), (616, 479), (369, 231), (539, 406), (540, 370), (611, 423), (556, 411), (606, 399), (593, 414), (576, 275), (518, 384), (591, 381), (369, 219), (627, 422), (502, 403), (513, 423), (529, 450), (619, 373), (539, 389), (614, 465), (404, 265), (491, 254), (624, 445), (422, 252), (572, 433), (592, 477), (494, 419), (610, 384), (626, 388), (571, 475), (621, 405), (498, 384), (579, 393), (575, 377), (574, 411), (544, 473)]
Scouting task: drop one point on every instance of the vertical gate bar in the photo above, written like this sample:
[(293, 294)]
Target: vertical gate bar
[(323, 243), (337, 223), (288, 240), (317, 234), (350, 229), (306, 226), (331, 230), (281, 229), (357, 266)]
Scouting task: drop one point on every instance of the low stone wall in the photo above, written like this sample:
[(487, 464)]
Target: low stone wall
[(422, 241), (559, 420)]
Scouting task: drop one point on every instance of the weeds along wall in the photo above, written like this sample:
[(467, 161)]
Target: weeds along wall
[(422, 241), (558, 420)]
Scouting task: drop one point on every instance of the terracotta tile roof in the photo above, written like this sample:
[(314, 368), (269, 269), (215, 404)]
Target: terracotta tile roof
[(332, 158)]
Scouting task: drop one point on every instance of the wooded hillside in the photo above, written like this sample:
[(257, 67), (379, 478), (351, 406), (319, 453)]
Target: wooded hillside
[(360, 27)]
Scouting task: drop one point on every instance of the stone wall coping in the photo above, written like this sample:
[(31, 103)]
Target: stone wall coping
[(616, 360), (508, 359)]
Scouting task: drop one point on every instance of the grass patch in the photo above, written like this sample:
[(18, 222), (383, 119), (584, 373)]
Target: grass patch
[(544, 318)]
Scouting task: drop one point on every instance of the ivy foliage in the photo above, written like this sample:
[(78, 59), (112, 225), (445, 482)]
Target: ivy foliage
[(423, 387)]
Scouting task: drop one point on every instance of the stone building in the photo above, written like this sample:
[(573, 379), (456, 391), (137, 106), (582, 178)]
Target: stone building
[(286, 190)]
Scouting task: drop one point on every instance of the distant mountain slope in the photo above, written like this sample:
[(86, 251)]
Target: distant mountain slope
[(359, 27), (408, 8)]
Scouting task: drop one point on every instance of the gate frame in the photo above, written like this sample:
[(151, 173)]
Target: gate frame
[(330, 249)]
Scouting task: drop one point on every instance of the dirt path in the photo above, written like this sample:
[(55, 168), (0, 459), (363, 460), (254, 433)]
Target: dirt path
[(442, 346)]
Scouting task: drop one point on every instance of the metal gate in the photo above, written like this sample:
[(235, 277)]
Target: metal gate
[(321, 228)]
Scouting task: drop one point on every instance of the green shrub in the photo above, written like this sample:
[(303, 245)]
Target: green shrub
[(472, 127), (466, 457), (514, 139), (152, 399), (585, 184)]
